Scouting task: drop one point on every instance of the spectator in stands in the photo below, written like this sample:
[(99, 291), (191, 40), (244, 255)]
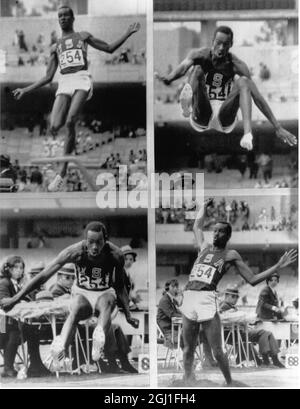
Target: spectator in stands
[(252, 164), (21, 41), (6, 169), (265, 166), (36, 179), (53, 37), (30, 276), (264, 72), (268, 305), (65, 281), (268, 346), (132, 157), (11, 276)]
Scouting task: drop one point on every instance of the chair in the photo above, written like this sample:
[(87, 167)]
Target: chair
[(170, 354)]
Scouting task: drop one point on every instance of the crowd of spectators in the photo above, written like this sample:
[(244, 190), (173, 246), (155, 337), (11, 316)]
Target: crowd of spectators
[(237, 213), (260, 167), (127, 56)]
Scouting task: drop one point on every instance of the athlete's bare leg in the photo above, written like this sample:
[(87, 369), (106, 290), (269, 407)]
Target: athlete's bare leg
[(80, 310), (202, 110), (77, 103), (190, 333), (239, 97), (59, 112), (213, 331), (104, 307)]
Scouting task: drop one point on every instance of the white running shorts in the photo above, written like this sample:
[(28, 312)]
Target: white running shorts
[(199, 306), (214, 122), (92, 296), (80, 80)]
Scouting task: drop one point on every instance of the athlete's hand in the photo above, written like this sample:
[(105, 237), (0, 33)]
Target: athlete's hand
[(133, 28), (7, 304), (288, 258), (18, 93), (133, 322), (286, 136)]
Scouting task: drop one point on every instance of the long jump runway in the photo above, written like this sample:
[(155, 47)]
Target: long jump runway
[(253, 378)]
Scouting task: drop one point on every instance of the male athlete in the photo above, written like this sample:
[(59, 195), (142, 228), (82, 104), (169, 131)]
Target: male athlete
[(200, 299), (75, 85), (99, 267), (218, 86)]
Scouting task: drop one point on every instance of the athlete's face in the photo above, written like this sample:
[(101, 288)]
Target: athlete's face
[(220, 235), (65, 18), (221, 45), (17, 271), (95, 243)]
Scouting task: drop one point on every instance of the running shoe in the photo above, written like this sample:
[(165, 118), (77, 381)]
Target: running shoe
[(56, 185), (98, 343), (57, 350), (186, 97), (246, 141)]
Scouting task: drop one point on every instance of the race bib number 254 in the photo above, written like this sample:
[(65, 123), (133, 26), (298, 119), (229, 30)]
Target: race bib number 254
[(71, 58), (203, 273)]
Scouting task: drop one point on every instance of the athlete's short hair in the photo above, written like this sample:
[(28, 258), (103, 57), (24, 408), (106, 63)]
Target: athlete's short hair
[(225, 30), (96, 227), (228, 227), (67, 7)]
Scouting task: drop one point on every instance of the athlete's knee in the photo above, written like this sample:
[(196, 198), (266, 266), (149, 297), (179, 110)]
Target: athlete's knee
[(80, 308), (106, 302), (243, 82), (218, 352)]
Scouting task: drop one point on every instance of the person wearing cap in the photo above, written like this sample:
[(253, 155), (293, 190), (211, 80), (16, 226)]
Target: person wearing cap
[(268, 305), (65, 281), (268, 346)]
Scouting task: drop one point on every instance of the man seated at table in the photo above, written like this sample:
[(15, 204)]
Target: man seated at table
[(268, 306), (268, 346), (11, 276), (168, 308)]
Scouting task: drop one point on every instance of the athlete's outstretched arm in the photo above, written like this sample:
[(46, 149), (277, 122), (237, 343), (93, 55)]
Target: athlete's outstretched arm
[(288, 258), (198, 225), (181, 69), (110, 48), (242, 69), (51, 70), (64, 257)]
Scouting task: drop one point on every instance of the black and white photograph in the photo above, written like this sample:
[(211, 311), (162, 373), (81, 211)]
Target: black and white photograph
[(226, 106), (74, 285), (149, 197)]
